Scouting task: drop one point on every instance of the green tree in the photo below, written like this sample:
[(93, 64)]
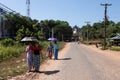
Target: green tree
[(117, 28), (20, 33), (111, 29), (13, 23), (63, 32)]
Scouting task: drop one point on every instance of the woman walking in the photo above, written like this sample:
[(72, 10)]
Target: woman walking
[(29, 56), (36, 57), (56, 47), (49, 49)]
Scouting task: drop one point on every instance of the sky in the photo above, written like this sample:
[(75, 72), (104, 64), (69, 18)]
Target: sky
[(75, 12)]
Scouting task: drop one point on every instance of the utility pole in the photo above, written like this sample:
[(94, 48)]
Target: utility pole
[(87, 22), (52, 33), (105, 22), (62, 37)]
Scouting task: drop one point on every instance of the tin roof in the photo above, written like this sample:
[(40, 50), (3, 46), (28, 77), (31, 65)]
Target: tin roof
[(116, 37)]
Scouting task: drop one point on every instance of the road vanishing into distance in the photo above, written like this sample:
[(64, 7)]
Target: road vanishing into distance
[(80, 63)]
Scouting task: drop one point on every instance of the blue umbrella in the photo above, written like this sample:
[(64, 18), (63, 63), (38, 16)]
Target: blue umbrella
[(52, 39)]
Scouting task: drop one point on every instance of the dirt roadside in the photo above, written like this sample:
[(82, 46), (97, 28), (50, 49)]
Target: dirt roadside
[(110, 53), (51, 64)]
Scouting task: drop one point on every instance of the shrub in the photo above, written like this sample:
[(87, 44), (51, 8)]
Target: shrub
[(9, 52), (115, 48), (7, 42), (91, 42), (44, 44)]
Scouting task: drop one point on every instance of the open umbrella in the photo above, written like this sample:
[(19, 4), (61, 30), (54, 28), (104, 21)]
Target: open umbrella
[(52, 39), (25, 39)]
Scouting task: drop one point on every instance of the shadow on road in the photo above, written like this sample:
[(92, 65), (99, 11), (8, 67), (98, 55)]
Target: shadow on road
[(65, 59), (50, 72)]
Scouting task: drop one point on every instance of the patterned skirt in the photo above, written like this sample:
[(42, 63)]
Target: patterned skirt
[(36, 61)]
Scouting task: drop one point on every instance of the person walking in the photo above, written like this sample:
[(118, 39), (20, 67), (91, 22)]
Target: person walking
[(56, 47), (29, 52), (50, 49), (36, 56)]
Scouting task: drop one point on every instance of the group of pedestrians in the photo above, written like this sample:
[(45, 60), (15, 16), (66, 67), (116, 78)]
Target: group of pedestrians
[(53, 48), (34, 55)]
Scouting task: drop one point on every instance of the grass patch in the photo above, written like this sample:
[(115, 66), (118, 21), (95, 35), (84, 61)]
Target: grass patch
[(10, 52), (12, 67), (115, 48), (91, 42)]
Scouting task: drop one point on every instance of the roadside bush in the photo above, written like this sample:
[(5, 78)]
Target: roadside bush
[(7, 42), (44, 44), (115, 48), (9, 52), (91, 42)]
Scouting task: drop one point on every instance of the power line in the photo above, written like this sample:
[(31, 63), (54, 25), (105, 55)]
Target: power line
[(6, 8)]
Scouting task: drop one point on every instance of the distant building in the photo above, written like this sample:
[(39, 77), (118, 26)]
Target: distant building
[(4, 10), (115, 40), (75, 36), (3, 31)]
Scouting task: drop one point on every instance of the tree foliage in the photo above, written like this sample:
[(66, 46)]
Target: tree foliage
[(97, 30), (21, 26)]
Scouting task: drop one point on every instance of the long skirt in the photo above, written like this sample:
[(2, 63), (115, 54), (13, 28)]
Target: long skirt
[(36, 62), (50, 54), (29, 62), (55, 54)]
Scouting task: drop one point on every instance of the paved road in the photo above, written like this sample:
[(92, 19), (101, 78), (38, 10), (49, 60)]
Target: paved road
[(80, 63)]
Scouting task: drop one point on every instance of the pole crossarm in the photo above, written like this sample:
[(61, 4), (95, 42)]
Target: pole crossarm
[(105, 4)]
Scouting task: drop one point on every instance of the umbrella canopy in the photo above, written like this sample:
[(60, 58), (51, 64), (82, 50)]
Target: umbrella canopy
[(25, 39), (52, 39)]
